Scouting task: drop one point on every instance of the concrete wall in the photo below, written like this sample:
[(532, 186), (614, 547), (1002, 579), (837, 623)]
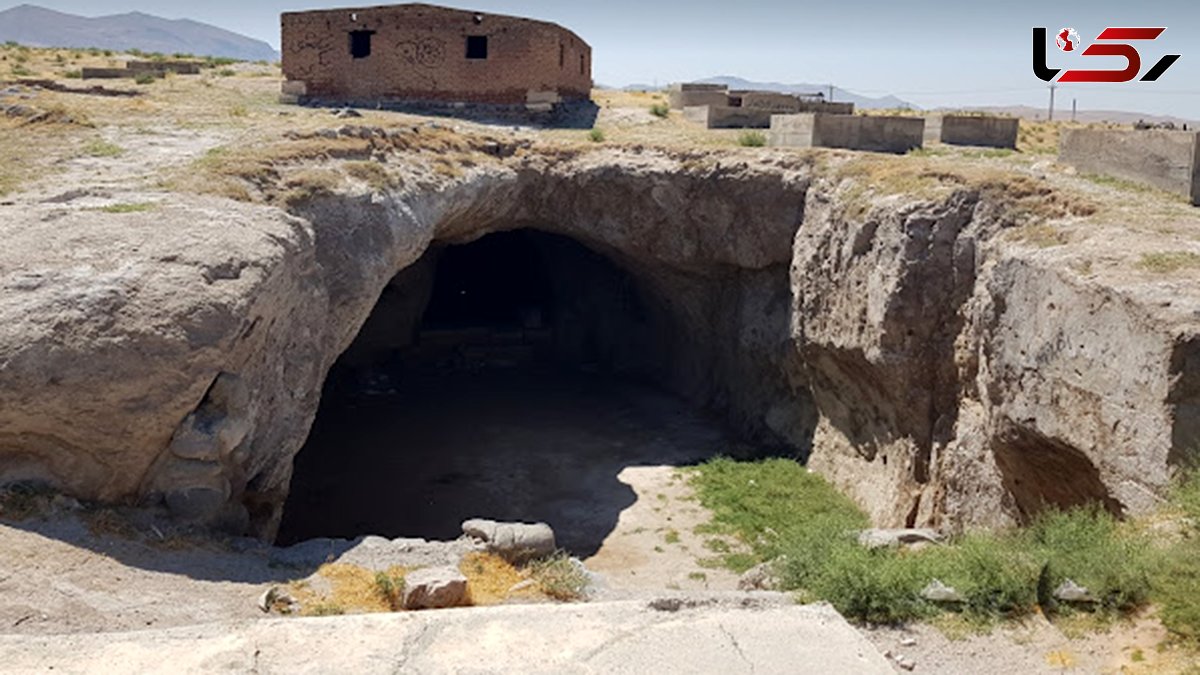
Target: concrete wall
[(177, 67), (726, 117), (1164, 159), (419, 53), (689, 94), (850, 132), (986, 131), (690, 99)]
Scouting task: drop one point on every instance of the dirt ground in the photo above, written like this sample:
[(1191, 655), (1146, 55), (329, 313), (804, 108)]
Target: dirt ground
[(592, 456)]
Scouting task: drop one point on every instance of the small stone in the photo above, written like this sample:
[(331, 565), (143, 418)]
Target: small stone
[(899, 537), (936, 591), (275, 598), (1069, 591), (761, 577), (435, 588), (908, 642)]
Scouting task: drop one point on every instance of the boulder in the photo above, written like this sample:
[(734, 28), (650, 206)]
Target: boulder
[(1069, 591), (936, 591), (435, 588), (515, 542)]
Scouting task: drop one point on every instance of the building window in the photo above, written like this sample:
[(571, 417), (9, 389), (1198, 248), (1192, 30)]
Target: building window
[(582, 64), (477, 47), (360, 43), (562, 55)]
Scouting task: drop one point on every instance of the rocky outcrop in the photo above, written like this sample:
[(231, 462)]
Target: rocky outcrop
[(938, 371)]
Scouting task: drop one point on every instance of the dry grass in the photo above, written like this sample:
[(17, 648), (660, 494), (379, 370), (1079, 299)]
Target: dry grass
[(559, 578), (1041, 235), (353, 589), (1169, 262), (490, 580), (1025, 199)]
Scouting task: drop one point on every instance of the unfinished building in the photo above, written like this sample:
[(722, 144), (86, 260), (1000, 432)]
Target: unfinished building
[(849, 132), (424, 53), (717, 107), (1167, 160), (975, 130)]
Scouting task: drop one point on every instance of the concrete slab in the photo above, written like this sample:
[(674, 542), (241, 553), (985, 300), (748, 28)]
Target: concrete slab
[(849, 132), (1168, 160), (720, 634), (975, 130)]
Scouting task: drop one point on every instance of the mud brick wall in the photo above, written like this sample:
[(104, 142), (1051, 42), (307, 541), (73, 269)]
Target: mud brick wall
[(418, 52)]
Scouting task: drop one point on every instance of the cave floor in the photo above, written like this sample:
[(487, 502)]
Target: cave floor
[(595, 457)]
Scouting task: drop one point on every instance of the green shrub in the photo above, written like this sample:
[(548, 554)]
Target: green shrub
[(773, 501), (782, 512), (226, 72), (1177, 584), (990, 571), (559, 577), (875, 586), (144, 79), (660, 110), (391, 589), (752, 139), (1091, 548), (596, 136), (73, 74)]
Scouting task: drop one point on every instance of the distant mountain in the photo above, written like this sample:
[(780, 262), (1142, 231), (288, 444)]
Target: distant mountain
[(1114, 116), (40, 27), (859, 101)]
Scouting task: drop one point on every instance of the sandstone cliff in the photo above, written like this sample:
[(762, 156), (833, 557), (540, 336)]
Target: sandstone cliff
[(919, 342)]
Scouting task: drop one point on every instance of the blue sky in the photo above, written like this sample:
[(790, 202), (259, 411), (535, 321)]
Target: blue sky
[(930, 53)]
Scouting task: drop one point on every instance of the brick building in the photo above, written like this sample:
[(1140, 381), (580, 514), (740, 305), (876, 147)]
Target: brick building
[(417, 52)]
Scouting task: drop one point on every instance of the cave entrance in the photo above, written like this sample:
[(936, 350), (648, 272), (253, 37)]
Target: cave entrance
[(510, 378)]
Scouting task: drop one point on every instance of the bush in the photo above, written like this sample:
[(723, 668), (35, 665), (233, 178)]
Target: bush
[(596, 136), (660, 110), (390, 588), (1177, 584), (994, 577), (226, 72), (752, 139), (782, 512), (875, 586), (1089, 547), (73, 74), (559, 577), (144, 79)]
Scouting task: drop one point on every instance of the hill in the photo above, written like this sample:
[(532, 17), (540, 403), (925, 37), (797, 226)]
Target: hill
[(40, 27), (858, 100)]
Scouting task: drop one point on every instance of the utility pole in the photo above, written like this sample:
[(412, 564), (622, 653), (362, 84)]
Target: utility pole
[(1051, 117), (831, 93), (1074, 108)]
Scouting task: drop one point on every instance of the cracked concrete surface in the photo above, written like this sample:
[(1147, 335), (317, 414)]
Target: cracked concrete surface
[(726, 633)]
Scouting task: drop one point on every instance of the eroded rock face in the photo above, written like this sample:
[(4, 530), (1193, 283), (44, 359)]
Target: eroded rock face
[(938, 373)]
